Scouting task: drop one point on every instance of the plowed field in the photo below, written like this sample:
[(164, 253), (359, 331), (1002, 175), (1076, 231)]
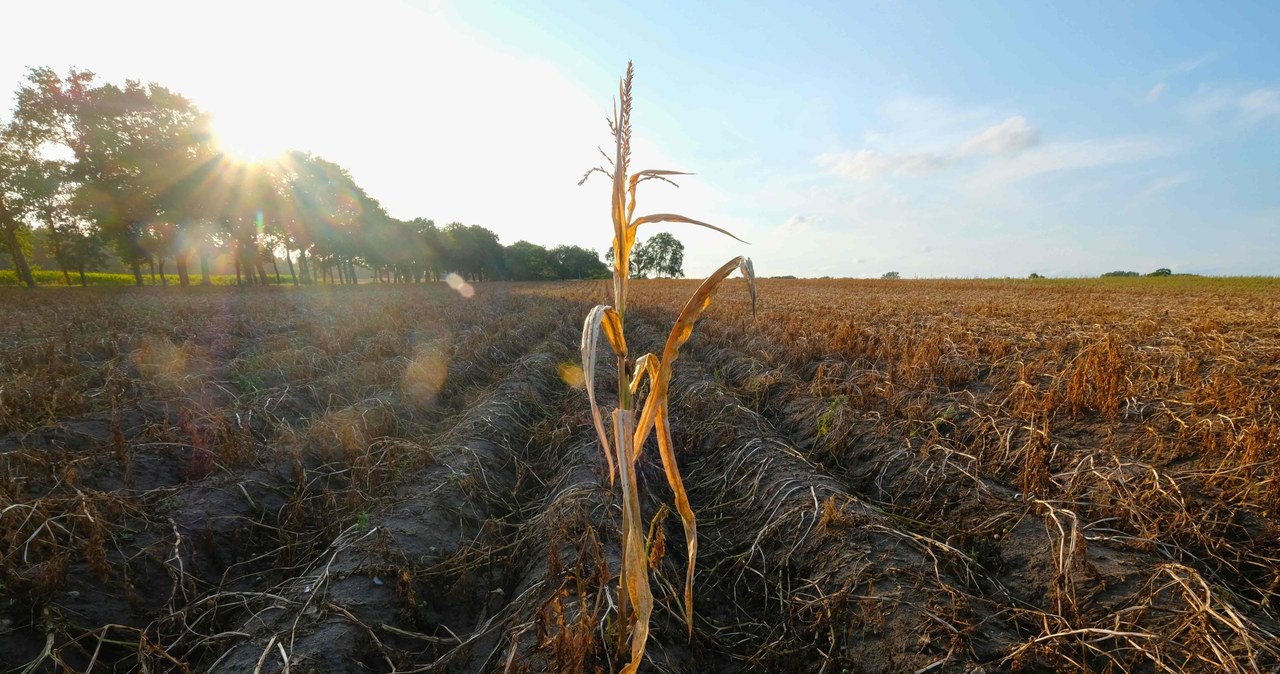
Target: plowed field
[(901, 476)]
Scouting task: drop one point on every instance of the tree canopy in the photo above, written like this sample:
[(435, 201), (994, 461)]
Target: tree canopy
[(136, 168), (662, 255)]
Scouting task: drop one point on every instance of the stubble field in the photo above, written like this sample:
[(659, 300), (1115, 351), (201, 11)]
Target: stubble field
[(906, 476)]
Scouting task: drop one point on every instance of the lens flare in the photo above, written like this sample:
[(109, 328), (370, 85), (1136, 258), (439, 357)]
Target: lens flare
[(460, 285), (424, 376), (247, 138)]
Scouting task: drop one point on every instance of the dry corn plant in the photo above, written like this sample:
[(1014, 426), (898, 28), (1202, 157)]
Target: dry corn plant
[(633, 422)]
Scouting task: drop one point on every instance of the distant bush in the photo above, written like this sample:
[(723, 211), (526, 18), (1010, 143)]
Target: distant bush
[(1120, 273), (891, 275), (1163, 271), (1034, 276)]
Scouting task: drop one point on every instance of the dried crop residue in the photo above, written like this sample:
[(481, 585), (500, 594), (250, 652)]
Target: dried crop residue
[(888, 476)]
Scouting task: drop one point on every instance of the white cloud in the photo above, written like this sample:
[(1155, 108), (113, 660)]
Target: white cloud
[(1178, 70), (1193, 64), (1167, 184), (1260, 103), (796, 225), (1006, 138), (1067, 156), (1250, 106), (1154, 95), (1209, 102), (867, 164), (924, 122)]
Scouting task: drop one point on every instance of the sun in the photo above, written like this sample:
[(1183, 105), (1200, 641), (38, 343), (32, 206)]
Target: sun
[(248, 138)]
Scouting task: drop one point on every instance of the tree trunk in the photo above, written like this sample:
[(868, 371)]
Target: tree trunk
[(205, 280), (276, 266), (15, 252), (59, 254), (262, 272), (180, 261), (84, 281), (164, 280), (289, 259), (151, 264), (303, 267), (135, 254), (237, 257)]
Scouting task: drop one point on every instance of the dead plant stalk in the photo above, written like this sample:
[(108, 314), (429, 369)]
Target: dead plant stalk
[(631, 430)]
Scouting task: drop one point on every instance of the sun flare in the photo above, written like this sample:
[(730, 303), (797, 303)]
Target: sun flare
[(247, 138)]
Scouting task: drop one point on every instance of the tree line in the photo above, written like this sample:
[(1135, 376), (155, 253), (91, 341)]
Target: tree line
[(1163, 271), (135, 171)]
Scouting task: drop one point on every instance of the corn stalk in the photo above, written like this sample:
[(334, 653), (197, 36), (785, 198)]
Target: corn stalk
[(632, 423)]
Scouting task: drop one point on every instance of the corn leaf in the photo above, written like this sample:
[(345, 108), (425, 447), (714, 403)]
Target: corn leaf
[(647, 364), (639, 176), (590, 340), (635, 569), (654, 173), (748, 271), (680, 332), (612, 325), (671, 217), (682, 506)]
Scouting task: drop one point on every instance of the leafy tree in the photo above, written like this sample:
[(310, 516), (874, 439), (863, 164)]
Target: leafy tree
[(526, 261), (1163, 271), (641, 260), (29, 182), (472, 251), (336, 215), (35, 189), (663, 255), (660, 255), (134, 166), (131, 146), (1112, 274), (73, 243), (891, 275), (81, 250), (575, 262), (431, 255), (15, 204)]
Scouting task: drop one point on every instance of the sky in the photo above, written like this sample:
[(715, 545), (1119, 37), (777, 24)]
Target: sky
[(935, 139)]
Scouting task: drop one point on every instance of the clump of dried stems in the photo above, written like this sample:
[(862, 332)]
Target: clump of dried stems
[(632, 421)]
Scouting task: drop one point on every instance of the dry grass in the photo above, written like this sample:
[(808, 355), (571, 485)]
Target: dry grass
[(1133, 423), (928, 476)]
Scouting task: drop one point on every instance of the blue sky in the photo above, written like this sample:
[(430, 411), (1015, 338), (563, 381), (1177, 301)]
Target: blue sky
[(844, 139)]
